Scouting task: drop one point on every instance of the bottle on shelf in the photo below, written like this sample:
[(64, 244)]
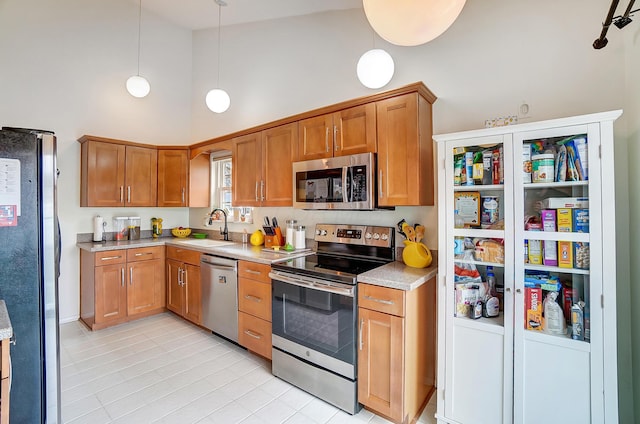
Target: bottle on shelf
[(458, 221), (491, 281)]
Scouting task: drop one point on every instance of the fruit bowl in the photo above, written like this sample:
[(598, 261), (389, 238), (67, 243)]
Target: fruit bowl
[(181, 232)]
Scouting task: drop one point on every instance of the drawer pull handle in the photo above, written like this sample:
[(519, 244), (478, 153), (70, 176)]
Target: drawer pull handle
[(383, 301), (254, 298), (252, 334), (250, 271), (110, 258), (145, 253)]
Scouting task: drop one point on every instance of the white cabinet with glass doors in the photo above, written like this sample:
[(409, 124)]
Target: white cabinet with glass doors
[(545, 230)]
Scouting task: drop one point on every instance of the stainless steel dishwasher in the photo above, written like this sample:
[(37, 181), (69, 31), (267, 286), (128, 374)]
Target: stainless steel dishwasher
[(220, 295)]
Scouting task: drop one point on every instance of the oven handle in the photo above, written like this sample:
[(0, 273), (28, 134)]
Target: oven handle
[(313, 284)]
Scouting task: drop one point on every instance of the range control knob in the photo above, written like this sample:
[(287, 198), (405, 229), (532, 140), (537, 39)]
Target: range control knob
[(323, 232), (318, 232), (368, 236), (384, 236), (376, 236)]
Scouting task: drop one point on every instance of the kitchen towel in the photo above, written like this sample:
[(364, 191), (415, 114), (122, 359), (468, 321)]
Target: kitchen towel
[(98, 228)]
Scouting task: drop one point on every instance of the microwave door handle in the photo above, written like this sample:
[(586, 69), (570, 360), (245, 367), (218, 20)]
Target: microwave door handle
[(346, 197)]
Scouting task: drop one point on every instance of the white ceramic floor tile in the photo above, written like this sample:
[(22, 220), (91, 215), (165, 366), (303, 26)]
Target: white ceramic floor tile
[(163, 369), (275, 412)]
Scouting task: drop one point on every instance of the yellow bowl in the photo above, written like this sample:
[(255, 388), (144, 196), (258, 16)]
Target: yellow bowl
[(181, 232), (416, 255)]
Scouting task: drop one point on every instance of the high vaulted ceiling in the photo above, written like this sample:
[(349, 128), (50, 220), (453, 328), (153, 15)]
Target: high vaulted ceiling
[(201, 14)]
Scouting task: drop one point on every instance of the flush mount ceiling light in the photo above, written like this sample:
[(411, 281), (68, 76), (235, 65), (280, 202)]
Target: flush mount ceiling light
[(411, 22), (137, 85), (375, 68), (217, 99)]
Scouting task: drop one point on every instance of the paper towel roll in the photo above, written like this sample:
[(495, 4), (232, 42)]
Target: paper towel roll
[(98, 228)]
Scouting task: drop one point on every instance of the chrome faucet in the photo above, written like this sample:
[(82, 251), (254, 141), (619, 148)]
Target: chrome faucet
[(225, 232)]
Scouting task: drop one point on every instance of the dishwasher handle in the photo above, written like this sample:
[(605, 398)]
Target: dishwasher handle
[(219, 262)]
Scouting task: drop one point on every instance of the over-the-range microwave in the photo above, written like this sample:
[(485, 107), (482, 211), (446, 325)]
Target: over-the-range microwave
[(342, 182)]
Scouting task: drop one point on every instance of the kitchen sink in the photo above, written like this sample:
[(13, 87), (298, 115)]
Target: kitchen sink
[(206, 242)]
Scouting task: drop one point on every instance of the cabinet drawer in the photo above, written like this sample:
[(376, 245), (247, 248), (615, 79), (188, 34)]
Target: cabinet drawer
[(184, 255), (254, 298), (254, 271), (382, 299), (110, 257), (145, 253), (254, 334)]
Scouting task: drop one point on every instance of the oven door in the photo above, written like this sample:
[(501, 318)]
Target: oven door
[(315, 320)]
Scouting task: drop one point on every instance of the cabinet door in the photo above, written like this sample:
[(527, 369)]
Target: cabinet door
[(192, 294), (103, 169), (111, 293), (279, 149), (175, 292), (315, 139), (141, 176), (405, 152), (173, 173), (145, 291), (381, 363), (355, 130), (247, 170)]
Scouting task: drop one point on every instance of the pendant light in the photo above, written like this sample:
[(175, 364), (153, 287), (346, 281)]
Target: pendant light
[(375, 67), (217, 99), (411, 22), (137, 85)]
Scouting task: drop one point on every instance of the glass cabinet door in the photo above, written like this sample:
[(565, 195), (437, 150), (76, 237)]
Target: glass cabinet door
[(556, 211)]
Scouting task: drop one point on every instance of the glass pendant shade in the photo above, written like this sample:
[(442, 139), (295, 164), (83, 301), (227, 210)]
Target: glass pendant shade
[(138, 86), (375, 68), (218, 100), (411, 22)]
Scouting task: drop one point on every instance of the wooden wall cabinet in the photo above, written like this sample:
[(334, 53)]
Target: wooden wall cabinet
[(254, 307), (262, 172), (5, 381), (183, 283), (173, 177), (405, 151), (116, 173), (397, 349), (345, 132), (119, 285)]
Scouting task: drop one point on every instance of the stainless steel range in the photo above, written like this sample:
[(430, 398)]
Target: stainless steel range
[(314, 305)]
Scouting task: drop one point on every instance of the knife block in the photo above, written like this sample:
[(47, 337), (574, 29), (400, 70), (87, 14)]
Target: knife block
[(275, 240)]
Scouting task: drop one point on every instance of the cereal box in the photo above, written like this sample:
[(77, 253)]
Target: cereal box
[(580, 220), (548, 218), (533, 308), (564, 220), (565, 254)]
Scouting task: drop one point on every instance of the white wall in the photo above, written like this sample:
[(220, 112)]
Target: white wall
[(63, 67)]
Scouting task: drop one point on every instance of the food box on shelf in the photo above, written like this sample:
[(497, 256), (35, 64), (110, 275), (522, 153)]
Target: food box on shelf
[(581, 220), (565, 202), (564, 220)]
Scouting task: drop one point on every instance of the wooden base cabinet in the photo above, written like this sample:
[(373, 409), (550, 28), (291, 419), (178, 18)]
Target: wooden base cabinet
[(5, 381), (119, 285), (550, 355), (254, 307), (183, 283), (396, 349)]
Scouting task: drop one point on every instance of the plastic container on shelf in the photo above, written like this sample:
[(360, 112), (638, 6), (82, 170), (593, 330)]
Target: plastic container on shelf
[(543, 167), (458, 221)]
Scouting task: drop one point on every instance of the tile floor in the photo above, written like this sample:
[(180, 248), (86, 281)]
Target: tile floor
[(162, 369)]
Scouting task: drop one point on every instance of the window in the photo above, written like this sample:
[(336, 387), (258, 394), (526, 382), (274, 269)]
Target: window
[(221, 184)]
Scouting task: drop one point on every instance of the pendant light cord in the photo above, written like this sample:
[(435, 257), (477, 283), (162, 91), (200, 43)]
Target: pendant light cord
[(139, 31), (219, 21)]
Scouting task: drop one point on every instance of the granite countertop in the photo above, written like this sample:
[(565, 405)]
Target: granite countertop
[(231, 250), (397, 275), (6, 331)]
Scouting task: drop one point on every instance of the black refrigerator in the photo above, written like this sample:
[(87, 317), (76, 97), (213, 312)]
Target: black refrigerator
[(29, 270)]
